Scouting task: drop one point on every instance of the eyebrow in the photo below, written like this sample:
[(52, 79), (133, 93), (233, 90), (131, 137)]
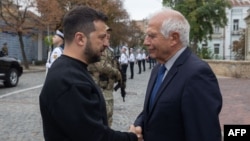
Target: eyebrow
[(102, 35), (151, 34)]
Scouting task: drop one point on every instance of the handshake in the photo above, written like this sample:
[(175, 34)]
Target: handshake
[(137, 130)]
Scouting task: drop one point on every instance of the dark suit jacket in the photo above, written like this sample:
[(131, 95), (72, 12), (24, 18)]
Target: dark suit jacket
[(72, 106), (187, 105)]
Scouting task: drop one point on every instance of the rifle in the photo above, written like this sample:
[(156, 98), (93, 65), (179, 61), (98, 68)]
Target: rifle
[(122, 83)]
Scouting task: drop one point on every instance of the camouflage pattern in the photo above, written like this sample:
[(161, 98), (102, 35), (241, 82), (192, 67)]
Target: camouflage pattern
[(106, 74), (5, 49)]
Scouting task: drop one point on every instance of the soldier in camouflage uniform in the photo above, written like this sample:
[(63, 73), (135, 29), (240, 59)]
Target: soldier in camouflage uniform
[(4, 51), (105, 74)]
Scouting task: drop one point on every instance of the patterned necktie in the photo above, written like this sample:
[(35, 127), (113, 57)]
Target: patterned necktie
[(157, 84)]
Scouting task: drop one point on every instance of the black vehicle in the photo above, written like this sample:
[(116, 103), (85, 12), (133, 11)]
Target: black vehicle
[(10, 71)]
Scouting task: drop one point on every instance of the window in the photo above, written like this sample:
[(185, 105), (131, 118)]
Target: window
[(216, 48), (204, 45), (216, 29), (236, 25), (237, 11)]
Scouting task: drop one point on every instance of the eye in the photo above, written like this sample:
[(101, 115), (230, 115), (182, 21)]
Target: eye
[(102, 37), (151, 36)]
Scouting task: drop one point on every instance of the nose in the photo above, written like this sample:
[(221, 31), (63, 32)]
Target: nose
[(146, 42), (106, 43)]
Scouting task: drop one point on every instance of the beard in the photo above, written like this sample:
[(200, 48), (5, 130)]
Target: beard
[(90, 54)]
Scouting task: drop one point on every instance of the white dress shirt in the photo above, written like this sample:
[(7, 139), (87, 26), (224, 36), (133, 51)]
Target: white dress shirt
[(143, 56), (139, 56), (132, 57), (123, 59)]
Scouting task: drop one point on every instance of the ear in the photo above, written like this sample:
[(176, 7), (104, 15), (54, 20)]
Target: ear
[(175, 38), (80, 38)]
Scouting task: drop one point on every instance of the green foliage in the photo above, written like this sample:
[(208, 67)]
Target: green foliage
[(202, 16), (48, 40), (205, 53), (218, 57), (239, 47), (117, 15)]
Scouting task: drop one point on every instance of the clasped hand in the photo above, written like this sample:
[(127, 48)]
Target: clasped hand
[(137, 130)]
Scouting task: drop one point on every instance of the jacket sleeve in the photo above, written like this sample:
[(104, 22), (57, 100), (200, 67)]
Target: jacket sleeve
[(202, 102), (139, 120), (79, 113)]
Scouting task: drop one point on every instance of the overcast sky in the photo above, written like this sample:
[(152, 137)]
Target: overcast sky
[(141, 9)]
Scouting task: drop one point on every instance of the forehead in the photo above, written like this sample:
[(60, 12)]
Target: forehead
[(100, 29), (100, 26), (154, 25)]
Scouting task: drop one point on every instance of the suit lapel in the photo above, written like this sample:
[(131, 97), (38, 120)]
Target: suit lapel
[(163, 86), (170, 75)]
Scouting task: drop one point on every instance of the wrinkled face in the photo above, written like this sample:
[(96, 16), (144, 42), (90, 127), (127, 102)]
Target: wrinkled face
[(96, 43), (159, 47)]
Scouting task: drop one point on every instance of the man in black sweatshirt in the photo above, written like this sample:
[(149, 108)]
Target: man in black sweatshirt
[(71, 104)]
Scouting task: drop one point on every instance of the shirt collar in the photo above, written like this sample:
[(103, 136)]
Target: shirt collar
[(171, 61)]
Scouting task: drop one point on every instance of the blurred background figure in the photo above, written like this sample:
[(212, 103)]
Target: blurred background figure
[(139, 60), (123, 61), (131, 62), (151, 62), (58, 45), (143, 60), (4, 50)]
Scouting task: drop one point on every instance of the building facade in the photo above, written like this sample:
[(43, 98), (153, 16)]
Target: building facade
[(247, 37), (221, 44), (34, 46)]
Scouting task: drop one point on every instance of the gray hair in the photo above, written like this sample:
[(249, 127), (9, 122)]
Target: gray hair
[(177, 23)]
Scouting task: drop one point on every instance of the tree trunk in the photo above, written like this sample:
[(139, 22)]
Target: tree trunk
[(194, 46), (25, 62)]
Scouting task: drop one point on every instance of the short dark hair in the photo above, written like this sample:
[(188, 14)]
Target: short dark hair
[(81, 19)]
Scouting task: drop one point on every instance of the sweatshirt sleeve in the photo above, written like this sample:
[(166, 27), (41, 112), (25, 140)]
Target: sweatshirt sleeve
[(79, 114)]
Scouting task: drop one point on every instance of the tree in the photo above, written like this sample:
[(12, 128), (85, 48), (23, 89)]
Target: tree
[(202, 16), (18, 19), (51, 17), (135, 34), (205, 53), (118, 17), (51, 14), (239, 47)]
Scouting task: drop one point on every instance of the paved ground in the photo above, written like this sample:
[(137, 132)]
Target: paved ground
[(20, 119), (236, 101), (235, 92)]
